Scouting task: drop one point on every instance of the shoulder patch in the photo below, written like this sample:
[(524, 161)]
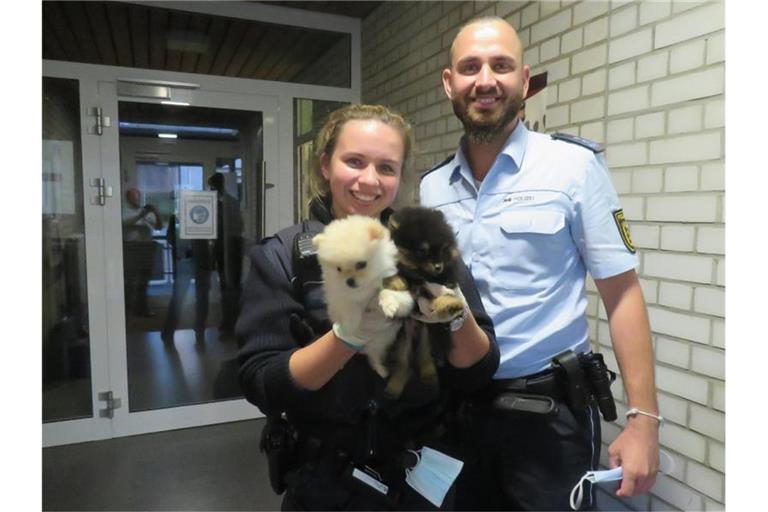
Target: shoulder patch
[(436, 167), (621, 223), (591, 145)]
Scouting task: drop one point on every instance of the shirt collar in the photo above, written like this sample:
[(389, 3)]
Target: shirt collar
[(514, 148)]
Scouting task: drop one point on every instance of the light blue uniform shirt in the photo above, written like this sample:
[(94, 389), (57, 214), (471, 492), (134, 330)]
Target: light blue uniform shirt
[(545, 213)]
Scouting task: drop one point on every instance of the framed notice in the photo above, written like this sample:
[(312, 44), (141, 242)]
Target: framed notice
[(197, 214)]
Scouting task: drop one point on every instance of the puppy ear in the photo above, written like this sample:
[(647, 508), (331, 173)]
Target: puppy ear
[(376, 231), (317, 240)]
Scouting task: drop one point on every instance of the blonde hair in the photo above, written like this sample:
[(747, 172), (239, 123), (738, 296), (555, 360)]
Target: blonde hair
[(328, 136)]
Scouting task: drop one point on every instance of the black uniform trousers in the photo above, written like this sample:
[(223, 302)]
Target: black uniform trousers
[(526, 461), (325, 483)]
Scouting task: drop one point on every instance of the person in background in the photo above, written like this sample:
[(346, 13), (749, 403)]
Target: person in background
[(227, 253), (139, 250)]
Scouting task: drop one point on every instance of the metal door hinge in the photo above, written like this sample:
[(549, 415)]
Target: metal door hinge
[(103, 191), (102, 121), (112, 404)]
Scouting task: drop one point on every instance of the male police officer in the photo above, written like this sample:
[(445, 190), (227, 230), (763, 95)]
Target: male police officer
[(532, 214)]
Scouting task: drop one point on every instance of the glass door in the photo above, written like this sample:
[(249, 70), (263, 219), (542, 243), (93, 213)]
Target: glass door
[(193, 178), (73, 366)]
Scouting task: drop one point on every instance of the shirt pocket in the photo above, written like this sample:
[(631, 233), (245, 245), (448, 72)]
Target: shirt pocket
[(531, 222)]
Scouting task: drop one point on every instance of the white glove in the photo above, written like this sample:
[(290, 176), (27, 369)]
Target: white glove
[(448, 304), (373, 324)]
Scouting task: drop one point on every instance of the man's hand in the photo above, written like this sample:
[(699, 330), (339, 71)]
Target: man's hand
[(636, 450), (449, 303)]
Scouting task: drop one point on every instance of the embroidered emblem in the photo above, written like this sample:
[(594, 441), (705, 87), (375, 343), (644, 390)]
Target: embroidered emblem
[(621, 223)]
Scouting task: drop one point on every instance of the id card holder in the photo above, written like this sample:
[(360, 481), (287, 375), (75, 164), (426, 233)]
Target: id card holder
[(368, 481)]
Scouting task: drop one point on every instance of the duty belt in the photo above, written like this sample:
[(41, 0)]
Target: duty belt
[(534, 394), (542, 383)]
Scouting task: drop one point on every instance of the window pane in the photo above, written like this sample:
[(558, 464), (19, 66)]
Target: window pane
[(66, 342)]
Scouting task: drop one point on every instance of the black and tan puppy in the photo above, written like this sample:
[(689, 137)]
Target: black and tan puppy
[(427, 253)]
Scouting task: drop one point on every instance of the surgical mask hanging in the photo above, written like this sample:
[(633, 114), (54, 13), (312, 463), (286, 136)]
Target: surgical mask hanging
[(433, 474), (610, 475)]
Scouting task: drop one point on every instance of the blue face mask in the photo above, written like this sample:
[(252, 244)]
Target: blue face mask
[(611, 475), (608, 475), (433, 474)]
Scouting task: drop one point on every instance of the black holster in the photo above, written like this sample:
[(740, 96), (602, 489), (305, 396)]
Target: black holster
[(585, 376), (279, 442)]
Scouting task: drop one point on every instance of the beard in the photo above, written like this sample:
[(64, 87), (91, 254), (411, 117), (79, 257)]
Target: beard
[(482, 128)]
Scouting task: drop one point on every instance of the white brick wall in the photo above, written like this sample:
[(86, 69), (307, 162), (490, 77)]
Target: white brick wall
[(681, 178), (652, 66), (675, 295), (706, 18), (646, 78), (683, 208), (699, 84), (631, 45), (680, 324), (649, 125), (678, 238)]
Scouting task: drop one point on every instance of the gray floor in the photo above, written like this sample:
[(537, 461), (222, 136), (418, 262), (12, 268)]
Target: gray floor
[(217, 467)]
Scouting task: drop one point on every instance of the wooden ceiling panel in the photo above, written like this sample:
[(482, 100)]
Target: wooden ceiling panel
[(158, 26), (229, 45), (81, 29), (217, 30), (199, 43), (352, 9), (176, 40), (51, 44), (117, 15), (58, 27), (102, 36), (148, 37), (138, 21), (250, 41)]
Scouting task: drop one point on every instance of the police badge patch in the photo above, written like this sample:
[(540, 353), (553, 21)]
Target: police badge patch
[(621, 223)]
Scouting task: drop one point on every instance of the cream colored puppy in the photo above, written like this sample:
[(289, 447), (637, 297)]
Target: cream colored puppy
[(356, 256)]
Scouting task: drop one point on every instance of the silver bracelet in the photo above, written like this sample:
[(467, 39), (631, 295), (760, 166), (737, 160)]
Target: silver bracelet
[(635, 411)]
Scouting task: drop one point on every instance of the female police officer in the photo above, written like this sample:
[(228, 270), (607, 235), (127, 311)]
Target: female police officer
[(341, 445)]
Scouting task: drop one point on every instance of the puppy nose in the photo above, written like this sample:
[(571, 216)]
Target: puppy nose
[(351, 282), (438, 267)]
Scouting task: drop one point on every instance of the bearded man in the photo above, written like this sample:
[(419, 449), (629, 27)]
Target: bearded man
[(533, 213)]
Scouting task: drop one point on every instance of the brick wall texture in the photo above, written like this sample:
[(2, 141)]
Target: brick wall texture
[(647, 79)]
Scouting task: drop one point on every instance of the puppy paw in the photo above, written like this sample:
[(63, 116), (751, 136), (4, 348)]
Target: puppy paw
[(395, 303), (447, 307), (394, 387), (388, 303), (379, 368)]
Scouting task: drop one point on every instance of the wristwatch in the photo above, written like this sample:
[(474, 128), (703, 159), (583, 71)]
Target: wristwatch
[(458, 322)]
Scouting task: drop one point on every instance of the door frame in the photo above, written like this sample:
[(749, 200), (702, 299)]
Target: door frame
[(131, 423), (93, 427), (98, 87)]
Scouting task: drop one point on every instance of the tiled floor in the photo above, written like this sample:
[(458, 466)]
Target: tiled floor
[(217, 467)]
